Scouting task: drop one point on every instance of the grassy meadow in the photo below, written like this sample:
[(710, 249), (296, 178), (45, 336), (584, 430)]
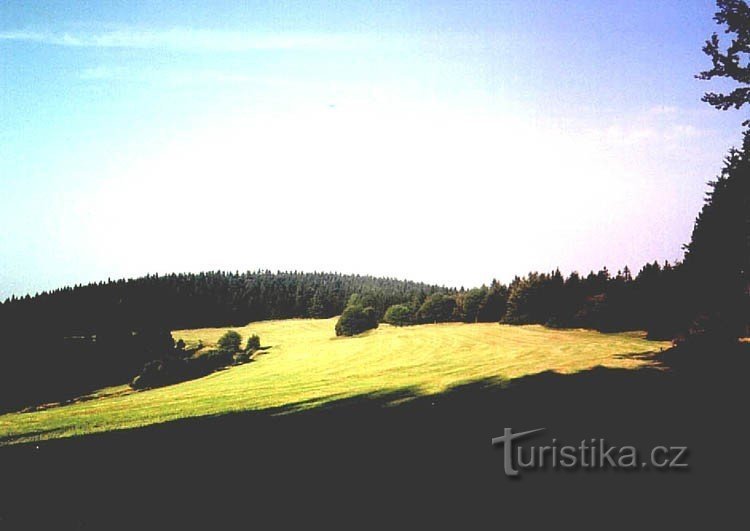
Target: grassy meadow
[(307, 366)]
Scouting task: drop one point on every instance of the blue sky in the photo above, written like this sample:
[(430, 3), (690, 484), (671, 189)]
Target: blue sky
[(450, 142)]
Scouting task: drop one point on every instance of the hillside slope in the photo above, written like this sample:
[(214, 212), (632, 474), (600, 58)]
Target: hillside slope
[(306, 365)]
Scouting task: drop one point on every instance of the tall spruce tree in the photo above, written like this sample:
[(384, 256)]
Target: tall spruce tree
[(718, 256)]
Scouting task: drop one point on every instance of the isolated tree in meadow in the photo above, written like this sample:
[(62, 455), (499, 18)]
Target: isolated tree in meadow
[(253, 343), (355, 320), (231, 341), (251, 347), (358, 316)]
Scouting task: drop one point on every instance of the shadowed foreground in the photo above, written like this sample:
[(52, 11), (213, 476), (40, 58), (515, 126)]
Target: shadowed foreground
[(424, 463)]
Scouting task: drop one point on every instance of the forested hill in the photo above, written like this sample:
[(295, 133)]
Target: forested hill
[(74, 340), (200, 300)]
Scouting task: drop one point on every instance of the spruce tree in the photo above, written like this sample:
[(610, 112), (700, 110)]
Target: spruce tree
[(717, 258)]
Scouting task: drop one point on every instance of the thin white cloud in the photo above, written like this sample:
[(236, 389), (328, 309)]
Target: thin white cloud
[(661, 126), (189, 39), (164, 75)]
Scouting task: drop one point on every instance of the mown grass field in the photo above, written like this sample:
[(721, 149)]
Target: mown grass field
[(307, 366)]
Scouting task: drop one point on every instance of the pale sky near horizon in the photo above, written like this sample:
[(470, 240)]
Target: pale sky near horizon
[(447, 142)]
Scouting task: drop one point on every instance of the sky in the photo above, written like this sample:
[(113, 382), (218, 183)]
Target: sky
[(447, 142)]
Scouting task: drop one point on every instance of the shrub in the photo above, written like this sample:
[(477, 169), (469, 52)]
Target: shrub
[(399, 315), (137, 382), (253, 343), (218, 358), (172, 370), (242, 357), (230, 342), (153, 374), (355, 320)]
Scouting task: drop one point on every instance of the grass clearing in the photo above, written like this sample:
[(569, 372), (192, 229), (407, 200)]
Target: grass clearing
[(306, 365)]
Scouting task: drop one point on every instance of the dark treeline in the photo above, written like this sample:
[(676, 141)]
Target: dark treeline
[(651, 301), (201, 300), (70, 341), (601, 301), (598, 300)]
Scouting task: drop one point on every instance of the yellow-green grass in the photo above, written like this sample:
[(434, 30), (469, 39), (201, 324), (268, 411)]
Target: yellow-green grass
[(306, 366)]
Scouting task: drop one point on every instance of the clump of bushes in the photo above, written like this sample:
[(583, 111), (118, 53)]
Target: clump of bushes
[(217, 358), (356, 319), (158, 373), (179, 367), (399, 315), (151, 375)]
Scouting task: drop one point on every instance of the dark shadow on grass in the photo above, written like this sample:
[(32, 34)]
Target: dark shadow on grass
[(425, 462), (28, 436)]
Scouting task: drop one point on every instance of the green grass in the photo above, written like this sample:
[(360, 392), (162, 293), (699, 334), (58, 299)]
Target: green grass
[(306, 365)]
